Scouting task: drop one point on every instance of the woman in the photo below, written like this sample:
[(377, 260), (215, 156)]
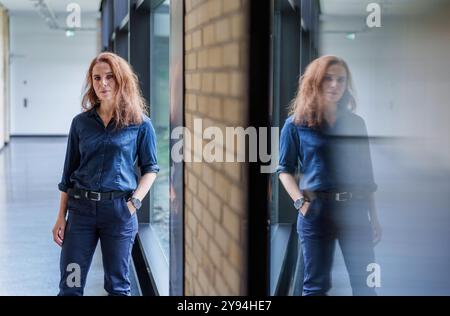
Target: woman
[(335, 194), (99, 188)]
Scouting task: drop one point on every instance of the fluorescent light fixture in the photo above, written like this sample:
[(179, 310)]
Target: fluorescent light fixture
[(70, 33), (350, 36)]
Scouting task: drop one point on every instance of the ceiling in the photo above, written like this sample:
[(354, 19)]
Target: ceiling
[(58, 6)]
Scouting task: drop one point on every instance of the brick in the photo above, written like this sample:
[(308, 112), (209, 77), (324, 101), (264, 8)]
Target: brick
[(209, 35), (233, 170), (236, 201), (202, 236), (231, 55), (220, 285), (237, 87), (191, 61), (197, 250), (188, 238), (203, 104), (214, 206), (192, 185), (221, 237), (214, 8), (215, 253), (215, 109), (202, 59), (197, 167), (188, 81), (197, 209), (208, 176), (223, 30), (202, 193), (203, 281), (208, 268), (221, 83), (191, 100), (237, 26), (188, 199), (198, 290), (207, 82), (232, 109), (197, 39), (221, 184), (235, 254), (188, 5), (208, 223), (195, 81), (188, 42), (203, 14), (231, 5), (192, 223), (232, 278), (215, 57), (231, 223), (191, 20)]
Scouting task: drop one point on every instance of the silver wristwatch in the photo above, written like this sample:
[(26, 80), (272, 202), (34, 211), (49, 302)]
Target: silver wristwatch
[(299, 203)]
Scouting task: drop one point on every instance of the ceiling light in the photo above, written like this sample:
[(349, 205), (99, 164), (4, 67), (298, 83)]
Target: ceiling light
[(70, 33), (350, 36)]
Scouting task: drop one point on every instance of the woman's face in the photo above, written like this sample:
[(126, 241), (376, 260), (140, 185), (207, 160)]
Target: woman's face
[(334, 84), (103, 81)]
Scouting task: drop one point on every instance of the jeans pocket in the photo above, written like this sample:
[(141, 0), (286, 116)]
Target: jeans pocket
[(125, 208), (313, 209)]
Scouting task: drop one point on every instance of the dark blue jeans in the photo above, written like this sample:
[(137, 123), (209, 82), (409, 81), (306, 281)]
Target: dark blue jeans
[(87, 222), (325, 222)]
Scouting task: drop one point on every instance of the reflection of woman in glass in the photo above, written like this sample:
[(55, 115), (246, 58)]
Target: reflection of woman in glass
[(335, 194), (99, 188)]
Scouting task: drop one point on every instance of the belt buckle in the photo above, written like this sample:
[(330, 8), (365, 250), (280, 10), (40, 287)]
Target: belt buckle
[(97, 198), (338, 196)]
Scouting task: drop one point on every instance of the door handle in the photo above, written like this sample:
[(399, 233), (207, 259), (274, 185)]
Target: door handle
[(25, 102)]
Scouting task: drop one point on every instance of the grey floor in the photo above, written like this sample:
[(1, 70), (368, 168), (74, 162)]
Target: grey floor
[(413, 201), (30, 169)]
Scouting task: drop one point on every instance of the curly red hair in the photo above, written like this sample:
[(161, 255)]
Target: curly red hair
[(306, 106), (129, 105)]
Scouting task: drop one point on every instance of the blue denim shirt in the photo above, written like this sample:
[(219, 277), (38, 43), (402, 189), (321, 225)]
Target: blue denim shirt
[(330, 158), (102, 159)]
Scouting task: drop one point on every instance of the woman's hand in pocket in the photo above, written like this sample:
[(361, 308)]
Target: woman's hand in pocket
[(131, 207), (305, 207)]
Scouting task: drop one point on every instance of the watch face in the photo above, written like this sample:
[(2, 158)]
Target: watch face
[(137, 204), (298, 203)]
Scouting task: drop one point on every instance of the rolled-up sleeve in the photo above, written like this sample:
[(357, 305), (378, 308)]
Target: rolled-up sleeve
[(289, 149), (147, 153), (72, 160)]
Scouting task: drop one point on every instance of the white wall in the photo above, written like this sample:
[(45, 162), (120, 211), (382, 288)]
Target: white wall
[(3, 40), (402, 77), (54, 67)]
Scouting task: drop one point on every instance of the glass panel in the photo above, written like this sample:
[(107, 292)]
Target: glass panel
[(159, 112), (397, 57), (397, 52)]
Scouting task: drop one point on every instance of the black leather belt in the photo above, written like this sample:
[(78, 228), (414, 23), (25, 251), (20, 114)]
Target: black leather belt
[(97, 196), (335, 196)]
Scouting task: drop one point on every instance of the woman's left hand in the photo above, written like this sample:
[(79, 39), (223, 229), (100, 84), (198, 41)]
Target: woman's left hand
[(131, 207), (377, 231)]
